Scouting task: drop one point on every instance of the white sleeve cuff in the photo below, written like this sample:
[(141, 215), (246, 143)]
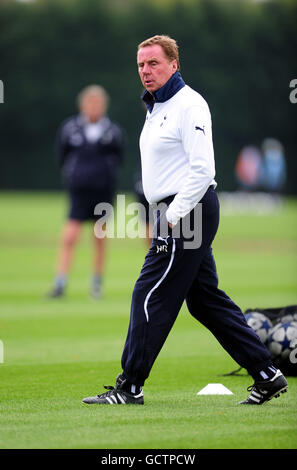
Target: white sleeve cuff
[(171, 217)]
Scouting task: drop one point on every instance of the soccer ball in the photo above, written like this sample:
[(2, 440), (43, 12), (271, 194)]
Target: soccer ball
[(282, 341), (291, 317), (288, 314), (260, 324)]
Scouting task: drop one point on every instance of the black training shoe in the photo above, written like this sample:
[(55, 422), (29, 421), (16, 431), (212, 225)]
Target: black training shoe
[(96, 291), (57, 291), (115, 396), (263, 391)]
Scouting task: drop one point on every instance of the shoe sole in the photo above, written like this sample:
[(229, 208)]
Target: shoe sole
[(104, 403), (277, 394)]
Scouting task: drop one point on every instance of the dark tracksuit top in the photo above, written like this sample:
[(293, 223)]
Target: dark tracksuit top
[(89, 157), (89, 164)]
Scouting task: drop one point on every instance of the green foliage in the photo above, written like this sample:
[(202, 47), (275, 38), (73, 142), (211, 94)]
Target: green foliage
[(240, 55)]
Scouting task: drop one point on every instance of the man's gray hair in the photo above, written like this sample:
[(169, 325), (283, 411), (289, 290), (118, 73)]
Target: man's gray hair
[(93, 90)]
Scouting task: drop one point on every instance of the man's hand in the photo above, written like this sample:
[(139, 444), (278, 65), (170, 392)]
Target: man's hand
[(170, 225)]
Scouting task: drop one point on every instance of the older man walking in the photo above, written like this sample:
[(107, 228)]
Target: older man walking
[(178, 170)]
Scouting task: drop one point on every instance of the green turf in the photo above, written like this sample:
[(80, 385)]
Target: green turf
[(58, 351)]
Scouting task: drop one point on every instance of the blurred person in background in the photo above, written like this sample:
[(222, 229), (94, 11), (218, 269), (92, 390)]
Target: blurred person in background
[(262, 170), (249, 168), (274, 166), (89, 147)]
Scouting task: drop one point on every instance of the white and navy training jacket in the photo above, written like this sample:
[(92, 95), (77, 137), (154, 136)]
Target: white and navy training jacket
[(176, 147)]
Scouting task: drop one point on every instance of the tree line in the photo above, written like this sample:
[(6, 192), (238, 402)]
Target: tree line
[(239, 54)]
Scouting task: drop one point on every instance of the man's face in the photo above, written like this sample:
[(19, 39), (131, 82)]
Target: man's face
[(93, 106), (154, 67)]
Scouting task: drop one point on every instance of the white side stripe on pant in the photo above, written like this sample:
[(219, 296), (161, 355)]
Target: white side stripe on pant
[(159, 282)]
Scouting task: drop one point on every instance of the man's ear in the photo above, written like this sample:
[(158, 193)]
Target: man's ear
[(174, 65)]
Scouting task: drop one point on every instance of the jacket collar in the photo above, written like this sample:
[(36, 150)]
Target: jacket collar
[(167, 91)]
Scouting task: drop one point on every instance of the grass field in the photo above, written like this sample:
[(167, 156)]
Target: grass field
[(58, 351)]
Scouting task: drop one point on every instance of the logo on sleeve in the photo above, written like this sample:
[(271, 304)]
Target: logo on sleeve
[(197, 128)]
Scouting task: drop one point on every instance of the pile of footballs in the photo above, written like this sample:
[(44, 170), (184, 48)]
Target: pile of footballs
[(279, 334)]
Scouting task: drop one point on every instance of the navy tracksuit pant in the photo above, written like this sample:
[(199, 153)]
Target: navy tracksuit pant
[(168, 277)]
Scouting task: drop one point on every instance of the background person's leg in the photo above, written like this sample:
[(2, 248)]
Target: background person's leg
[(69, 238), (100, 249)]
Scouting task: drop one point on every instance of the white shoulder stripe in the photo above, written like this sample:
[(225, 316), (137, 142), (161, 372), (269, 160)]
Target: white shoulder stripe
[(159, 282)]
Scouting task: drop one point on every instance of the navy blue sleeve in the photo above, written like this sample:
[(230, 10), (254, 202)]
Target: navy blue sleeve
[(62, 142), (119, 138)]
